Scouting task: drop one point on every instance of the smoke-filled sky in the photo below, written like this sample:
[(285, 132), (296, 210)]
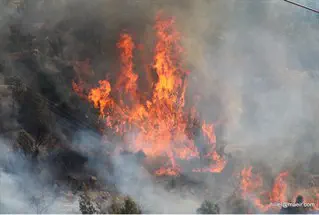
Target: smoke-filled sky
[(254, 63)]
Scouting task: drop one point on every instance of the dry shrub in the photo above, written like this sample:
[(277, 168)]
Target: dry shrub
[(208, 207), (128, 206), (86, 205)]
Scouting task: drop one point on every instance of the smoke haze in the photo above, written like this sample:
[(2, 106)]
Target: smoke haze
[(253, 64)]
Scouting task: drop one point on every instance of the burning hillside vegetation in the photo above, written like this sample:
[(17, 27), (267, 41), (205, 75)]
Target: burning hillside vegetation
[(111, 112), (159, 125), (155, 122)]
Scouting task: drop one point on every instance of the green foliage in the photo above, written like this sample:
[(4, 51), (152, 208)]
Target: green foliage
[(208, 207), (126, 207)]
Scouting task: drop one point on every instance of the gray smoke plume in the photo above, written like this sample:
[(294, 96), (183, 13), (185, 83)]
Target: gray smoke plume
[(265, 75)]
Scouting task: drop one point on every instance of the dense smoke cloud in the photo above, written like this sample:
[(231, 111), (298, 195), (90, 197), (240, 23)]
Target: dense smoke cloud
[(265, 70), (253, 65), (24, 190), (255, 62)]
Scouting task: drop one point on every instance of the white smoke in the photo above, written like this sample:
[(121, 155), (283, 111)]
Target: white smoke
[(24, 191)]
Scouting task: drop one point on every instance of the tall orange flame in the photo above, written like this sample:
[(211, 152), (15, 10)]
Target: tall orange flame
[(279, 190), (160, 123), (127, 79)]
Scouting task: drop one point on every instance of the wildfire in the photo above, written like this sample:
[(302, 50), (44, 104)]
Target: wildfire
[(250, 182), (252, 188), (127, 79), (159, 123), (78, 88), (279, 190), (310, 196)]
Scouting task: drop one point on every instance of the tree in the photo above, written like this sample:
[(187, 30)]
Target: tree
[(208, 207)]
